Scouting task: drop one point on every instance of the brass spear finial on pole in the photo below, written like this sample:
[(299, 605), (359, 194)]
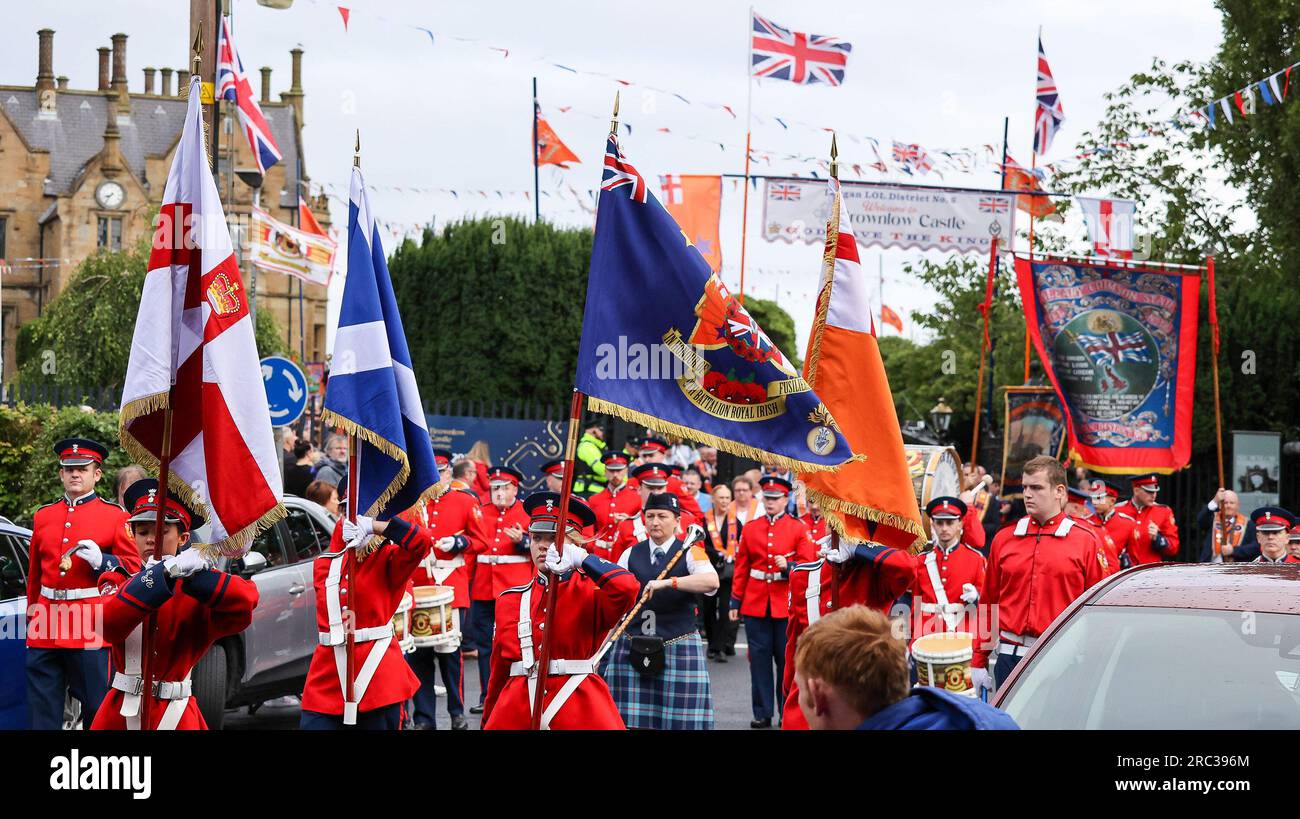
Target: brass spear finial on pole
[(196, 64), (835, 153), (197, 48), (356, 155), (613, 123)]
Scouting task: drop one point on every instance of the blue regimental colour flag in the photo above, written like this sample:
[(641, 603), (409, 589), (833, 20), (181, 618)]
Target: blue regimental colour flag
[(665, 344), (371, 392)]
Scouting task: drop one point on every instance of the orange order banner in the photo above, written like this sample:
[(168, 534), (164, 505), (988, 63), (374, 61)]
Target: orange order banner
[(696, 203)]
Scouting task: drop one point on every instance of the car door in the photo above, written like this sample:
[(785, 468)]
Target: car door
[(308, 538), (13, 621), (270, 641)]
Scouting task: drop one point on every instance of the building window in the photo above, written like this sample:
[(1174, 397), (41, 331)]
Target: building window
[(4, 227), (110, 232)]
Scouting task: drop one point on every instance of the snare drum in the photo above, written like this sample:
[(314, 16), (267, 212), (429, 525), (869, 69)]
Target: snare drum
[(943, 661), (435, 623), (402, 624)]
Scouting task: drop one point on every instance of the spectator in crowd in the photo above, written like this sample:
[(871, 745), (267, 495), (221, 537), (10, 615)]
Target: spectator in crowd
[(288, 439), (325, 495), (679, 452), (851, 671), (724, 534), (694, 484), (1240, 531), (746, 505), (334, 464), (481, 455), (126, 476), (705, 462), (302, 473)]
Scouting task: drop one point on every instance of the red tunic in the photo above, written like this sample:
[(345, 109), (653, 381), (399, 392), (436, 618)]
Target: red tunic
[(958, 566), (451, 515), (972, 529), (376, 589), (191, 614), (1120, 526), (1138, 543), (1035, 572), (499, 563), (632, 531), (816, 526), (689, 502), (876, 577), (589, 603), (761, 540), (1107, 542), (606, 504), (57, 527)]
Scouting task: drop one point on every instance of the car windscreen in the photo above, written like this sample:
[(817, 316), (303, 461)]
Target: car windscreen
[(1118, 667)]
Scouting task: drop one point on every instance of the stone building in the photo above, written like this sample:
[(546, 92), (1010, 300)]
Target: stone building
[(82, 170)]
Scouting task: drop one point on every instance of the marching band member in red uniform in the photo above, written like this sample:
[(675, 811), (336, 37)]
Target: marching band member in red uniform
[(499, 545), (651, 479), (760, 590), (554, 472), (1154, 537), (193, 606), (814, 520), (949, 575), (653, 450), (1076, 506), (1119, 523), (868, 574), (1036, 569), (382, 681), (612, 505), (592, 597), (76, 540), (449, 518)]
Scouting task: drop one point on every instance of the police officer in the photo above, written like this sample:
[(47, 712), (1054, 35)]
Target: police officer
[(769, 546), (1036, 569), (590, 461), (75, 540), (1271, 531)]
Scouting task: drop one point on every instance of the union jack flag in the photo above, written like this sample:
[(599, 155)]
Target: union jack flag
[(994, 204), (786, 192), (1111, 348), (1048, 113), (232, 84), (777, 53), (619, 173), (912, 157)]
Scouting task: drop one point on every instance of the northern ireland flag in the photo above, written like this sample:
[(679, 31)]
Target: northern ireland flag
[(869, 499), (193, 352), (1110, 225)]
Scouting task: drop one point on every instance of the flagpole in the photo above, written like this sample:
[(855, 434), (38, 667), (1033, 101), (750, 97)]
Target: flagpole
[(1218, 415), (1033, 166), (749, 128), (349, 621), (986, 307), (537, 196), (830, 259)]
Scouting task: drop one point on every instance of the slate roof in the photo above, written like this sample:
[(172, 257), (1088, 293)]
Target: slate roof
[(76, 135)]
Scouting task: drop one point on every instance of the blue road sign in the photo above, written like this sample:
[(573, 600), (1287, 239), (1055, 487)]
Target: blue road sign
[(286, 390)]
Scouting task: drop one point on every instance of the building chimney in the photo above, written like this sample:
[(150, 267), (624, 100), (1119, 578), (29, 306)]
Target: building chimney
[(119, 73), (294, 94), (166, 82), (45, 61), (266, 84), (148, 80), (183, 82), (111, 163), (103, 68), (63, 83)]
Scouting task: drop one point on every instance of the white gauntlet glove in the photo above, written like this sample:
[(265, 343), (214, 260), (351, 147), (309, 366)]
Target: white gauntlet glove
[(980, 680), (841, 554), (557, 563), (186, 563), (356, 534), (969, 594), (88, 550), (445, 543)]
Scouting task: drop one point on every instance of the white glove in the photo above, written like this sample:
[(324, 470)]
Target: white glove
[(88, 550), (355, 534), (186, 563), (841, 554), (969, 594), (980, 680), (445, 543), (557, 563)]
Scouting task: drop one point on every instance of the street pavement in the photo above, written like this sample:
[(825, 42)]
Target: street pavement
[(729, 680)]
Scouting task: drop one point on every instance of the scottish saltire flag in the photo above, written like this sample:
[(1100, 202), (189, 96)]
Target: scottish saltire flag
[(777, 53), (233, 85), (371, 391), (1048, 113), (681, 354)]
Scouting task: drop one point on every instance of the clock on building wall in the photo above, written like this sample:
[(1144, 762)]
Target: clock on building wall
[(110, 195)]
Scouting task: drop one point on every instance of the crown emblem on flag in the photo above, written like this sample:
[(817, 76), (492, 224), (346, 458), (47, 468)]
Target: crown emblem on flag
[(223, 295)]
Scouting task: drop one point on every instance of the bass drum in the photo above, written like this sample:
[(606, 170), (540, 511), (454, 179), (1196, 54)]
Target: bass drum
[(936, 471)]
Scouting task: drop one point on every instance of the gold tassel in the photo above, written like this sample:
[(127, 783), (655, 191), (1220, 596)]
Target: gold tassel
[(835, 508), (824, 297)]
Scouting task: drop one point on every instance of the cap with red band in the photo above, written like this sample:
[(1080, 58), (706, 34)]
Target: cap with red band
[(442, 457), (1150, 483), (616, 460), (774, 487), (80, 452), (652, 444), (543, 509), (652, 474), (946, 507), (502, 475), (141, 499), (555, 468)]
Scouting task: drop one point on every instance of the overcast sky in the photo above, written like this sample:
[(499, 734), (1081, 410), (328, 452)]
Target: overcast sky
[(450, 114)]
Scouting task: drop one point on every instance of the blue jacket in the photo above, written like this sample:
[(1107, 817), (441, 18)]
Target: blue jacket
[(932, 709)]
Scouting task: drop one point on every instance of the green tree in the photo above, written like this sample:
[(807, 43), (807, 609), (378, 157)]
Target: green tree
[(83, 339)]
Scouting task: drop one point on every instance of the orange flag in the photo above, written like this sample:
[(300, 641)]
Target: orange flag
[(871, 499), (888, 316), (696, 202), (550, 150), (307, 220), (1019, 178)]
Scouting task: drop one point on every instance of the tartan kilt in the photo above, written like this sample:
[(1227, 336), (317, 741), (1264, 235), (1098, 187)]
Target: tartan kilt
[(679, 699)]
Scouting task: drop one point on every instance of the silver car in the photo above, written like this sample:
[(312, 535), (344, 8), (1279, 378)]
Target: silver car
[(269, 659)]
